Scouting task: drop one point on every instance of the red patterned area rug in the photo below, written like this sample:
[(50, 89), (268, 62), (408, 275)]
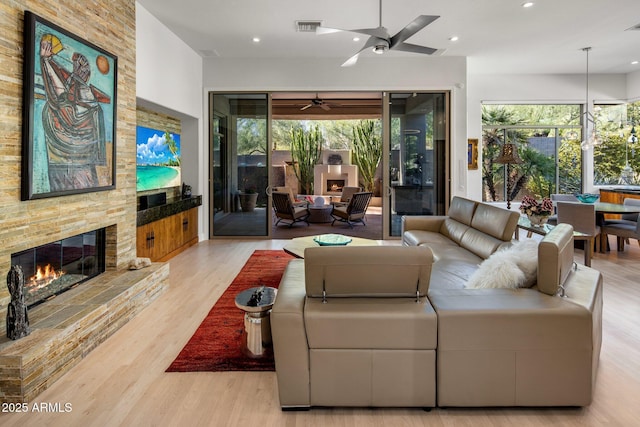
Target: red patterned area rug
[(217, 343)]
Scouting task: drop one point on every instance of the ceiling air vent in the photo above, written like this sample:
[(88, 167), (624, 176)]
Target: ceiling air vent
[(634, 28), (307, 26)]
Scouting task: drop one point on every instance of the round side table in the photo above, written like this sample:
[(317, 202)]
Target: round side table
[(256, 304)]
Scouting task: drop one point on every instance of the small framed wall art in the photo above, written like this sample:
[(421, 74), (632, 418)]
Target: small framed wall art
[(472, 153)]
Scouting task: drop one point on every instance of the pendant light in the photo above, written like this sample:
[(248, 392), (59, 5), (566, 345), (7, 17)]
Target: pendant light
[(508, 156), (590, 133)]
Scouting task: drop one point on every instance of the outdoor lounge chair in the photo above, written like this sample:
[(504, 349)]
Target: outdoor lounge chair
[(284, 210), (354, 211), (347, 193), (289, 191)]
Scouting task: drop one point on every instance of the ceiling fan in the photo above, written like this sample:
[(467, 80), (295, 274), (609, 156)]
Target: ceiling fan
[(380, 40), (317, 102)]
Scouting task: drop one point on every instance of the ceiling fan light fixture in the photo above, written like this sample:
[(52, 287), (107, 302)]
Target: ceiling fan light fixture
[(380, 49)]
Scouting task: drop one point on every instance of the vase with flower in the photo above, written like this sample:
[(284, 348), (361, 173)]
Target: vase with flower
[(538, 212)]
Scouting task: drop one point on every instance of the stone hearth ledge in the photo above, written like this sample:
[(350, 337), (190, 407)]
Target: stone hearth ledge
[(65, 329)]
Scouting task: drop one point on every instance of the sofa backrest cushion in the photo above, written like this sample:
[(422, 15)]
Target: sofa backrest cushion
[(458, 218), (494, 221), (453, 230), (555, 258), (462, 210), (491, 227), (367, 271), (479, 243)]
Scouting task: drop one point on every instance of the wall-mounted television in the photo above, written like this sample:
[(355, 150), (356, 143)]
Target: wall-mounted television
[(157, 159)]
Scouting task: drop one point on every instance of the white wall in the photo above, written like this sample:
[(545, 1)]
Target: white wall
[(633, 86), (388, 73), (168, 71), (169, 80), (534, 88)]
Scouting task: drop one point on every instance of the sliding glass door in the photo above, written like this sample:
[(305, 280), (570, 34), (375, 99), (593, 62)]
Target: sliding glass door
[(417, 152), (239, 159)]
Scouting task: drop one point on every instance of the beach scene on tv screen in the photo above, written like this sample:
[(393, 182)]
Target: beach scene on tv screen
[(158, 159)]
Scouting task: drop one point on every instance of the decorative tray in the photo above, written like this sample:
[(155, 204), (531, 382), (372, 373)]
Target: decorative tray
[(332, 240)]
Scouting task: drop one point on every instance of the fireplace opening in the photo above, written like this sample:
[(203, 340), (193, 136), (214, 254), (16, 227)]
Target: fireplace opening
[(335, 185), (55, 267)]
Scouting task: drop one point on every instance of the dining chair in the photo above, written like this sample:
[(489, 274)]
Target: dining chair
[(553, 219), (582, 216), (625, 228)]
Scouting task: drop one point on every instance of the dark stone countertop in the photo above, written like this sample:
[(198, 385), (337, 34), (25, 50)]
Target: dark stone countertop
[(158, 212), (627, 189)]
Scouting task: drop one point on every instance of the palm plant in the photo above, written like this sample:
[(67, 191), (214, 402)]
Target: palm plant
[(173, 147), (367, 151), (306, 149)]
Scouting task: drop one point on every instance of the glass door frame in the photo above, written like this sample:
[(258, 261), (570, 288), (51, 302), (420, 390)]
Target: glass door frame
[(445, 191), (212, 114)]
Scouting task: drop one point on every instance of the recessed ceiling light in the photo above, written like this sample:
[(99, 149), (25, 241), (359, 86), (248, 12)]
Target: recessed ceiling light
[(453, 38), (356, 39), (634, 62), (256, 39), (527, 4)]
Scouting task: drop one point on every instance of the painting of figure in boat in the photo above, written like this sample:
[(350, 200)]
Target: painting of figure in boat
[(69, 118)]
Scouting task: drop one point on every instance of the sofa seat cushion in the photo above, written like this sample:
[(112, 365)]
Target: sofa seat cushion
[(421, 237), (453, 253), (451, 274), (370, 323)]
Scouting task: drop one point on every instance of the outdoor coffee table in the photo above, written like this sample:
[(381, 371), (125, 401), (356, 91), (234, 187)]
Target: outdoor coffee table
[(297, 245), (256, 304)]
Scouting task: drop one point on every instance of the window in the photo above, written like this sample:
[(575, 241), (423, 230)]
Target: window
[(547, 138), (615, 160)]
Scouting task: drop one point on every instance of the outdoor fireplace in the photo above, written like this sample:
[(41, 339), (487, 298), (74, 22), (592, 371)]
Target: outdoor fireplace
[(335, 185), (55, 267)]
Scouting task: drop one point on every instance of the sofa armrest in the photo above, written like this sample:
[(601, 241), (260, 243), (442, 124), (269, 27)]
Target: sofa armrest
[(423, 222), (290, 348)]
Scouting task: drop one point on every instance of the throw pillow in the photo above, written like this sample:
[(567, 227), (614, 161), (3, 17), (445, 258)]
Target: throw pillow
[(513, 267)]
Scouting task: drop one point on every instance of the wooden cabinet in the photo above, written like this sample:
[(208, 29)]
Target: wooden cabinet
[(162, 239), (617, 196)]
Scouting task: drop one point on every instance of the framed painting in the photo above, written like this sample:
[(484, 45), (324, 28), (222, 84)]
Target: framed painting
[(472, 153), (69, 113)]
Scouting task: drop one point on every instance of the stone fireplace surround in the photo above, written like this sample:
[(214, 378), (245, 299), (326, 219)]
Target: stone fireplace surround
[(66, 328)]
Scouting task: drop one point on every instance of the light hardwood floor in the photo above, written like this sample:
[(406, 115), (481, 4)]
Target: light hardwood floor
[(123, 382)]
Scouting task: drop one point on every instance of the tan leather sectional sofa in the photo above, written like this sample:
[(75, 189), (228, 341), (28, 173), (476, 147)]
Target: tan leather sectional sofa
[(394, 326)]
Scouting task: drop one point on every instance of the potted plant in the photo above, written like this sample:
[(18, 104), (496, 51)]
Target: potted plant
[(248, 197)]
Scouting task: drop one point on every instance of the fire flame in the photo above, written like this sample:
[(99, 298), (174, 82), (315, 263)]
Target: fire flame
[(44, 276)]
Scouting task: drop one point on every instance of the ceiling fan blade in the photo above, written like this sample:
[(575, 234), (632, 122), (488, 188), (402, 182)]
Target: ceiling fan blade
[(371, 41), (325, 107), (413, 27), (306, 106), (414, 48), (380, 32)]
